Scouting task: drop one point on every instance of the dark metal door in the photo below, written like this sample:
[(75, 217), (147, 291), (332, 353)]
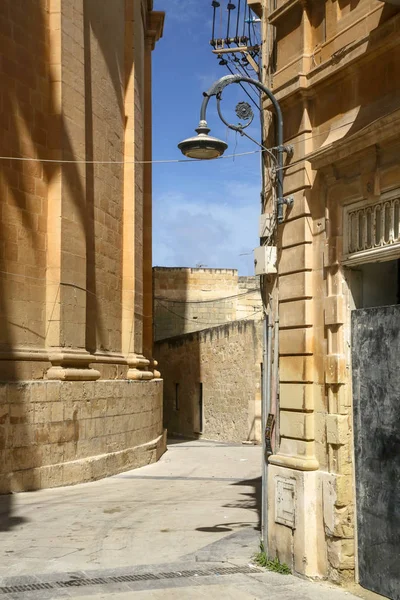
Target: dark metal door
[(376, 398)]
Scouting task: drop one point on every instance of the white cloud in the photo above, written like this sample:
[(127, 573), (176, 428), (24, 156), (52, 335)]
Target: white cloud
[(207, 79), (213, 229), (178, 10)]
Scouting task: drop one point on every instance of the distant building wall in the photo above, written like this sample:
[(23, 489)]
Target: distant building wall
[(212, 382), (188, 300)]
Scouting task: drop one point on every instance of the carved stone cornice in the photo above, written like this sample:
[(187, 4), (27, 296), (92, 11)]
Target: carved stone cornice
[(283, 10), (300, 463), (381, 130), (155, 27), (256, 6)]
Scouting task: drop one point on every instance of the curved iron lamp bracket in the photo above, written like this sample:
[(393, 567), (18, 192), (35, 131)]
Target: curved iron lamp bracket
[(216, 90), (218, 86), (243, 111)]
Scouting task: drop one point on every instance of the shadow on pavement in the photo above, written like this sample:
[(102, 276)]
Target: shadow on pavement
[(224, 527), (7, 521), (251, 502)]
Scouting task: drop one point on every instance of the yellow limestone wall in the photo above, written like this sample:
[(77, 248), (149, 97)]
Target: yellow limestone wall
[(79, 399)]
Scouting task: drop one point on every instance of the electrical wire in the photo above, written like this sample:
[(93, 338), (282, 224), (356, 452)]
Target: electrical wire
[(256, 34), (250, 291), (247, 74), (228, 26), (249, 28), (237, 65), (244, 18), (214, 324), (215, 6), (244, 89), (264, 149), (237, 21), (119, 162), (183, 160), (83, 289)]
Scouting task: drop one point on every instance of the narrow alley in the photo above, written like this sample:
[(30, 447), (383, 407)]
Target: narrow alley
[(185, 527)]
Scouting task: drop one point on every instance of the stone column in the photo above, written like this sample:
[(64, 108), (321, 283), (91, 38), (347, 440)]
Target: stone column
[(150, 40), (132, 294), (66, 252)]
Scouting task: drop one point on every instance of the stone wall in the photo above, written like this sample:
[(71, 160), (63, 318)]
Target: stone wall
[(194, 299), (221, 367), (79, 397), (56, 433)]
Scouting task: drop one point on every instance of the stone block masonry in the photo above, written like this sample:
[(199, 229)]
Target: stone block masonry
[(59, 433), (195, 299), (212, 382), (80, 396), (335, 73)]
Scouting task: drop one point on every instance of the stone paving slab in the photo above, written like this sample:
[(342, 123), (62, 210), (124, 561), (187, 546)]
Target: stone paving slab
[(171, 580), (196, 510), (198, 493)]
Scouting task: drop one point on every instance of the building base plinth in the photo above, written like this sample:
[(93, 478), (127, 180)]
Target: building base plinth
[(85, 470), (295, 521), (55, 433)]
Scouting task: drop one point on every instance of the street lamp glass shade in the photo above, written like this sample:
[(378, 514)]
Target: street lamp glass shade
[(202, 146)]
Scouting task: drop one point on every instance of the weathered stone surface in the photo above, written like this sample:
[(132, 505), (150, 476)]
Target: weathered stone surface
[(297, 425), (297, 396), (296, 285), (188, 300), (61, 443), (335, 310), (73, 240), (296, 341), (212, 382), (337, 429), (297, 369), (297, 313), (297, 258)]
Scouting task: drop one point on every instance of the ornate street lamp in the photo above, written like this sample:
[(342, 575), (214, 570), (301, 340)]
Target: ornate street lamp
[(204, 147)]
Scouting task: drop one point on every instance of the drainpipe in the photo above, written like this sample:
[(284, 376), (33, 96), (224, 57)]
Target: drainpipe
[(275, 382), (265, 411)]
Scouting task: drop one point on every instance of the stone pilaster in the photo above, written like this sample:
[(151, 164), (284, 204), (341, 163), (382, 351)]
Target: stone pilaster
[(66, 226), (154, 28)]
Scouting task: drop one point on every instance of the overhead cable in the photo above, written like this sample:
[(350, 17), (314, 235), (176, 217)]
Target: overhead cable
[(179, 160), (161, 298)]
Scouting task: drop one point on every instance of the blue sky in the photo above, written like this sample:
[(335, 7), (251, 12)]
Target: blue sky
[(204, 212)]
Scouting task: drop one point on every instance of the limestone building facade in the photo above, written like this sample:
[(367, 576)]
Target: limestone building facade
[(192, 299), (208, 343), (80, 395), (334, 67)]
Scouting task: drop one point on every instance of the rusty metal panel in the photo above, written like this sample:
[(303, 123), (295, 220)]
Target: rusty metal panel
[(376, 398)]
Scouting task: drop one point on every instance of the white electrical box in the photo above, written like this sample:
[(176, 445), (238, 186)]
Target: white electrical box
[(265, 225), (265, 260)]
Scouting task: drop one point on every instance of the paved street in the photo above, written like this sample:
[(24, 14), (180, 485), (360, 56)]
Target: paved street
[(185, 527)]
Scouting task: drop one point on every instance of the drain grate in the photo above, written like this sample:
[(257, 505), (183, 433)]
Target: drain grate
[(86, 581)]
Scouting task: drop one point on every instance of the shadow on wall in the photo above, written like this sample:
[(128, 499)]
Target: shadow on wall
[(33, 124), (185, 388), (208, 343), (358, 101)]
